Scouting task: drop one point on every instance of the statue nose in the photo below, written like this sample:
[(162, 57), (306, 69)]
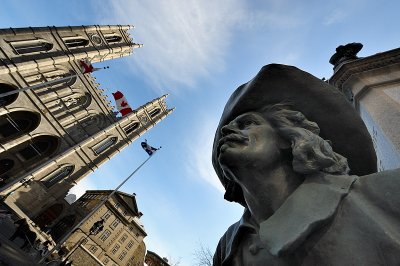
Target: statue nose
[(229, 128)]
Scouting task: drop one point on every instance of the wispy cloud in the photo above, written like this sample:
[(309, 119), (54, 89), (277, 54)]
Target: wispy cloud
[(82, 186), (336, 16), (187, 40), (183, 40), (200, 167)]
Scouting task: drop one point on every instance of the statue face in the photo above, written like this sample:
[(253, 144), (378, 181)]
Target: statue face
[(249, 140)]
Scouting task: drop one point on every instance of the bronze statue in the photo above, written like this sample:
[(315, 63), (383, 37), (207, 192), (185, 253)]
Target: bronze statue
[(297, 156)]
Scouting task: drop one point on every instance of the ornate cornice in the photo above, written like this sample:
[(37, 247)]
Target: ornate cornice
[(346, 70)]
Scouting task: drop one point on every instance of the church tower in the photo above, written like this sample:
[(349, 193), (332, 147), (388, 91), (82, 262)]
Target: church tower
[(53, 136)]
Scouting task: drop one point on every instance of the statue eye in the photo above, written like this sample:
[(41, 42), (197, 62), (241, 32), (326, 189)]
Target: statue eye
[(248, 123)]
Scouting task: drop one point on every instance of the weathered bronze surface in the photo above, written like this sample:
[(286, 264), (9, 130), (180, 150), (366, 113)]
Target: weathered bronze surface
[(297, 156)]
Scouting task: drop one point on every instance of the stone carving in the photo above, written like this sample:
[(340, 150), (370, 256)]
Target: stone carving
[(292, 150)]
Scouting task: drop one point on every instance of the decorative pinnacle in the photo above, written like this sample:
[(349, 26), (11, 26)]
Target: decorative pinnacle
[(137, 45)]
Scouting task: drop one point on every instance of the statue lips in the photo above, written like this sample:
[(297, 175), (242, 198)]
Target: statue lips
[(231, 138)]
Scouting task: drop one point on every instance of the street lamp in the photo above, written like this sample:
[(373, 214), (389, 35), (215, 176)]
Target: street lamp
[(96, 228)]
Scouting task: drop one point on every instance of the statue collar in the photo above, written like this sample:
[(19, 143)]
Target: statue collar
[(307, 209)]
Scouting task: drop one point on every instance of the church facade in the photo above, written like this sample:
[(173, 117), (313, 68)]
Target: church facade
[(53, 136)]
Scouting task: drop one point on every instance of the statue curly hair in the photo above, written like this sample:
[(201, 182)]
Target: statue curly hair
[(309, 153)]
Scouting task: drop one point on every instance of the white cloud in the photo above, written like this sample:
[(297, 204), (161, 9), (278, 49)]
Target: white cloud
[(200, 149), (183, 40), (82, 186), (188, 40), (336, 16)]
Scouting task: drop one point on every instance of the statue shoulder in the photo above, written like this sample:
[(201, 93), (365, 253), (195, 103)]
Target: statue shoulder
[(381, 188), (225, 244), (384, 179)]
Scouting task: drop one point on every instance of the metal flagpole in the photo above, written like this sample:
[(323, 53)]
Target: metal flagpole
[(93, 211)]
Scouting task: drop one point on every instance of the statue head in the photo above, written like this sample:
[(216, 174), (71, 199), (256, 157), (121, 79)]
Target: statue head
[(287, 116)]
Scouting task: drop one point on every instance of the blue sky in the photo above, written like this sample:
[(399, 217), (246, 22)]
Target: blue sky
[(199, 52)]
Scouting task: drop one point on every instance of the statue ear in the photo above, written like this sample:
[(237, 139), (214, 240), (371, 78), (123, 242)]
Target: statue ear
[(283, 144), (286, 149)]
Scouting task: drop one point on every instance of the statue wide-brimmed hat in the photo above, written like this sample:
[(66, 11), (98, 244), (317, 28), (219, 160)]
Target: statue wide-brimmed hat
[(317, 100)]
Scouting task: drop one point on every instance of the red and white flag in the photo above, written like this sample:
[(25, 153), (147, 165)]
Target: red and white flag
[(121, 103), (86, 66)]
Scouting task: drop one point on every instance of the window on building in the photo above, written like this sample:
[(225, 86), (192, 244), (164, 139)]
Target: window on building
[(93, 249), (115, 223), (5, 166), (123, 254), (105, 261), (125, 213), (123, 238), (106, 215), (84, 240), (104, 145), (112, 38), (31, 46), (130, 245), (96, 39), (40, 146), (57, 175), (75, 42), (105, 235), (6, 100), (155, 112), (131, 127), (115, 249), (15, 124), (116, 205)]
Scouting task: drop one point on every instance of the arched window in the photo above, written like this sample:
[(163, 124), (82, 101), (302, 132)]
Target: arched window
[(74, 42), (52, 73), (63, 226), (31, 46), (57, 175), (6, 100), (131, 127), (5, 166), (17, 123), (104, 145), (40, 146), (112, 38), (49, 215), (155, 112)]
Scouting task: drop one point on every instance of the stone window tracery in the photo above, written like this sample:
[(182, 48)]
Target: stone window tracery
[(6, 100), (38, 147), (112, 38), (17, 123), (155, 112), (57, 175), (75, 42), (104, 145), (37, 45), (131, 127)]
